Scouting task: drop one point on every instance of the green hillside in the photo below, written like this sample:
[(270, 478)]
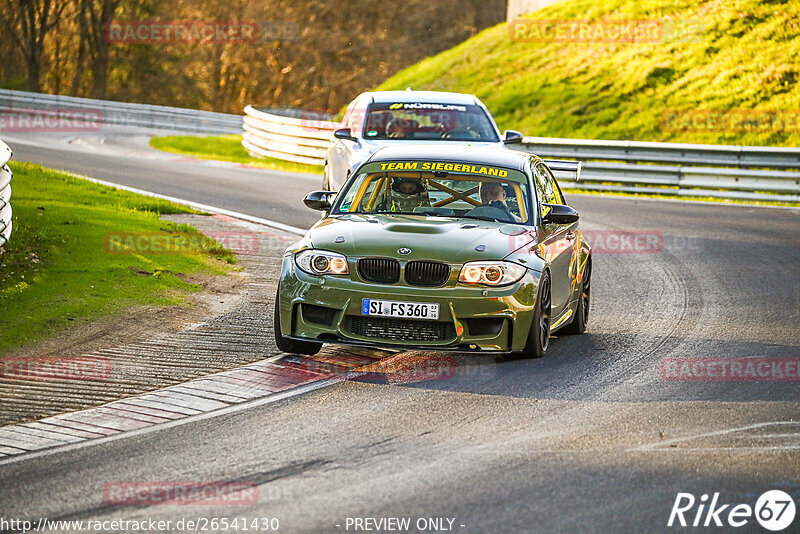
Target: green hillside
[(719, 55)]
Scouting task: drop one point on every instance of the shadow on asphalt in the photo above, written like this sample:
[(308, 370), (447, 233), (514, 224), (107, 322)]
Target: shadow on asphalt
[(591, 367)]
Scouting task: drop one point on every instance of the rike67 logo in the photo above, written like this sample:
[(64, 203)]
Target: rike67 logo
[(774, 510)]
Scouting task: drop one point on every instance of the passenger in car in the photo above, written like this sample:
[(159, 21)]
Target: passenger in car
[(494, 194)]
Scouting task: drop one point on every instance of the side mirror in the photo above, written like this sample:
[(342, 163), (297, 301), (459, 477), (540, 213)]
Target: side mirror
[(344, 133), (511, 137), (319, 200), (560, 214)]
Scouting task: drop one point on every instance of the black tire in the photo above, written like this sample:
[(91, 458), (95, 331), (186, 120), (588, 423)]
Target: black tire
[(539, 334), (292, 346), (581, 318)]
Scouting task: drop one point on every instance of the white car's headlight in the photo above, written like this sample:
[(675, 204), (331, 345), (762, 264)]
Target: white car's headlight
[(491, 273), (318, 262)]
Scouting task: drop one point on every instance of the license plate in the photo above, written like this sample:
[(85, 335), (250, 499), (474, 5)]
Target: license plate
[(404, 310)]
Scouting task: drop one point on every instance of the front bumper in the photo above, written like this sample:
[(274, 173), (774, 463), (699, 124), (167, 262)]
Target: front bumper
[(471, 318)]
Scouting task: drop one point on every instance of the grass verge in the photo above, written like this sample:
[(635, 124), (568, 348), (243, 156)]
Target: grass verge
[(56, 272), (226, 148), (712, 56)]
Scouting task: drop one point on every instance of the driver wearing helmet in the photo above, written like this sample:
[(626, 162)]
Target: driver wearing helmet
[(407, 194)]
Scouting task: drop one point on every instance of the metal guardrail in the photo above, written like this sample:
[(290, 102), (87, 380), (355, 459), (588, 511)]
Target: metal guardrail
[(289, 138), (26, 104), (5, 194), (741, 172)]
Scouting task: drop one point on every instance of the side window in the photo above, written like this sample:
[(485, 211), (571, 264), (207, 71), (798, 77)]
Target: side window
[(545, 189), (559, 197), (537, 182)]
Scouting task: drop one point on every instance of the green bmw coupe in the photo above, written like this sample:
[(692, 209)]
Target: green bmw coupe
[(438, 248)]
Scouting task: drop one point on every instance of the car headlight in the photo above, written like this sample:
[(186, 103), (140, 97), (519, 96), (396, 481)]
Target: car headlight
[(491, 273), (318, 262)]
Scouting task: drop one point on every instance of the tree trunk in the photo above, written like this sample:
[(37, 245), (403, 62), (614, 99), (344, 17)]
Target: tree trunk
[(34, 72), (100, 61), (83, 28)]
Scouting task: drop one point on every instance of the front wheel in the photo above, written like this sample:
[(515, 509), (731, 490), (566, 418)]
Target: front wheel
[(581, 319), (285, 344), (539, 334)]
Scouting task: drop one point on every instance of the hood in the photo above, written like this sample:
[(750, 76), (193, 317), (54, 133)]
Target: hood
[(443, 239)]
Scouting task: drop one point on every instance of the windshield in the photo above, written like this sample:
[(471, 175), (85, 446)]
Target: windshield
[(466, 191), (427, 122)]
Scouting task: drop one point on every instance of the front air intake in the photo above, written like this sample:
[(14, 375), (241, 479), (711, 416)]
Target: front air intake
[(379, 270), (427, 273)]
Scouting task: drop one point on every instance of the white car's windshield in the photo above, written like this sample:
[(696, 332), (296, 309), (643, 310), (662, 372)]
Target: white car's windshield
[(428, 122)]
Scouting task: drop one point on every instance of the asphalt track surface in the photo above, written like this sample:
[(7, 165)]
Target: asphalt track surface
[(589, 439)]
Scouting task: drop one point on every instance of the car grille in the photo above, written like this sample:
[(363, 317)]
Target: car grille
[(427, 273), (380, 270), (399, 329)]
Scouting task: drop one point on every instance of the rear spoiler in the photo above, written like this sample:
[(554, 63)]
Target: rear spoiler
[(569, 170)]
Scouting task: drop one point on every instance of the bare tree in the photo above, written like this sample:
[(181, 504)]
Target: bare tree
[(29, 22), (94, 16), (83, 37), (101, 18)]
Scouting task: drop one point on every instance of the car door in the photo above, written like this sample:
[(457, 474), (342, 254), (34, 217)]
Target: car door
[(559, 243)]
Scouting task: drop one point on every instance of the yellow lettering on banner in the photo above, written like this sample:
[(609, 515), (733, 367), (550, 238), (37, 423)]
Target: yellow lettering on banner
[(441, 166)]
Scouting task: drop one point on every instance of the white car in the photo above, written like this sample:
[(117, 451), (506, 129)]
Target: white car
[(382, 118)]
